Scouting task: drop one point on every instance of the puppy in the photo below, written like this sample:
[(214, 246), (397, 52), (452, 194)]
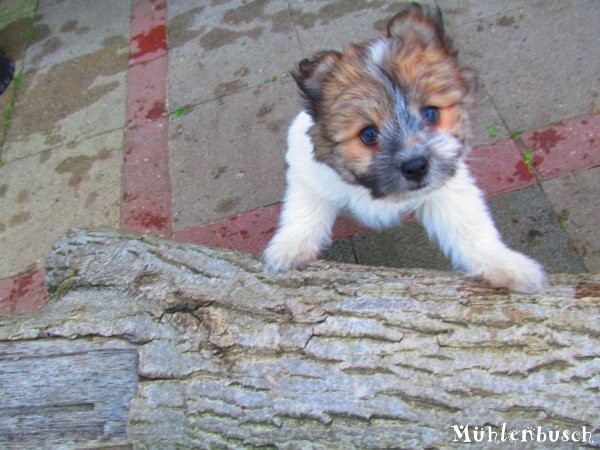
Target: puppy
[(384, 133)]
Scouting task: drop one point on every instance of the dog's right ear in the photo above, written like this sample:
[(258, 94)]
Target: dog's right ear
[(425, 24), (310, 75)]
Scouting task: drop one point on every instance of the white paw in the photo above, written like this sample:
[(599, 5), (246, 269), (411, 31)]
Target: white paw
[(517, 272), (282, 255)]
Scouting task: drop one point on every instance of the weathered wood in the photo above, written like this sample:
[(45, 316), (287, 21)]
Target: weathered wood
[(334, 356), (59, 392)]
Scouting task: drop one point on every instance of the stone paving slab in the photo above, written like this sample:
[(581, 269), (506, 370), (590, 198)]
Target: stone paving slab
[(488, 125), (69, 101), (528, 223), (224, 49), (334, 24), (227, 156), (73, 28), (42, 4), (362, 17), (575, 200), (42, 196), (341, 250), (403, 246), (540, 63)]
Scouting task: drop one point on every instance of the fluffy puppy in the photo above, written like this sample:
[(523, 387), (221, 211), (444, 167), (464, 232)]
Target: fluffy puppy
[(384, 133)]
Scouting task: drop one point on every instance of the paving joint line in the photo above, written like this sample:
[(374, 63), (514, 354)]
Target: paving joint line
[(58, 146), (286, 78), (295, 27)]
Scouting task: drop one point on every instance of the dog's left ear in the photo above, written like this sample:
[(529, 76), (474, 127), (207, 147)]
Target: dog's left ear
[(310, 75), (425, 24)]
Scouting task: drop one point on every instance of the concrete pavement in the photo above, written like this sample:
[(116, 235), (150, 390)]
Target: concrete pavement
[(170, 117)]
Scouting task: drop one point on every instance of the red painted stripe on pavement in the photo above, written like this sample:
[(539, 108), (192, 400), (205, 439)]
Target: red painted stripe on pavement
[(499, 167), (145, 162), (146, 92), (247, 232), (146, 200), (565, 147), (148, 215), (345, 227), (23, 293), (251, 232), (148, 30)]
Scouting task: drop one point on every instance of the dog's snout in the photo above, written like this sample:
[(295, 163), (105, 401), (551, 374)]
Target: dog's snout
[(415, 169)]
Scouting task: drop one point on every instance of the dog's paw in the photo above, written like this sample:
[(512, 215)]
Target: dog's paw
[(282, 256), (516, 272)]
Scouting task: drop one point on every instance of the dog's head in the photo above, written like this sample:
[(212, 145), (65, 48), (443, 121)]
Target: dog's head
[(391, 114)]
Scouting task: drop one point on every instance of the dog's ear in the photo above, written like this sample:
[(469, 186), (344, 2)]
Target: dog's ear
[(426, 25), (310, 74)]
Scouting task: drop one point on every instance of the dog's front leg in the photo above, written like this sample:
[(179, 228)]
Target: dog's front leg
[(458, 218), (305, 228)]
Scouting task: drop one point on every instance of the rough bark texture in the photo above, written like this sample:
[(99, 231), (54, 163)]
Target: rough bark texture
[(162, 345)]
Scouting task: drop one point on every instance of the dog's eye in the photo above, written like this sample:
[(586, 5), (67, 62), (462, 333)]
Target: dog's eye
[(368, 135), (431, 116)]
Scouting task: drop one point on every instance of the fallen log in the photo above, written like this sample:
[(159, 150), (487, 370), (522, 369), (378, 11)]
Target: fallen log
[(156, 344)]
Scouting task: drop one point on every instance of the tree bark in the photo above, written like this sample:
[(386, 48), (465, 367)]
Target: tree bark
[(156, 344)]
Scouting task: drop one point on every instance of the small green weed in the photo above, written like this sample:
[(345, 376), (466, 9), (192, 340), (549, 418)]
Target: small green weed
[(563, 218), (181, 111), (10, 109), (528, 159), (17, 80), (8, 114), (270, 80), (516, 134), (491, 131)]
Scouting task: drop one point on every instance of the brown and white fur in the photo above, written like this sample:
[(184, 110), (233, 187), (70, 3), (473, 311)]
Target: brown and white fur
[(383, 134)]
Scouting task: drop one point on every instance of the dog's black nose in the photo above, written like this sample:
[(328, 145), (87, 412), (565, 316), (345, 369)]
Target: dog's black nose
[(415, 169)]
